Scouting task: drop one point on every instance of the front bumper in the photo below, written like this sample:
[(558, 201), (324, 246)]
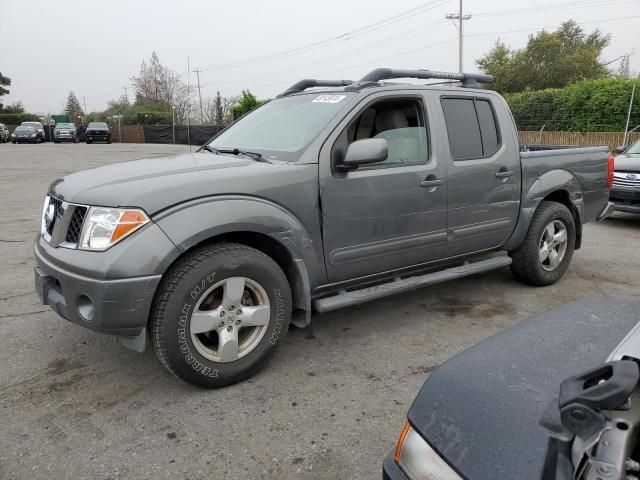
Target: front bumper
[(117, 307), (625, 199), (391, 470)]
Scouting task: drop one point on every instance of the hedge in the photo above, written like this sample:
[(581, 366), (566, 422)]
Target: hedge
[(587, 106), (17, 118)]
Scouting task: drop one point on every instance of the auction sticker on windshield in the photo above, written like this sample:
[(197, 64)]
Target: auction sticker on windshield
[(328, 98)]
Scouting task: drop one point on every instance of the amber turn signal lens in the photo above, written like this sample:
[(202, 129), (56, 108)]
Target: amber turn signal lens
[(129, 221), (401, 438)]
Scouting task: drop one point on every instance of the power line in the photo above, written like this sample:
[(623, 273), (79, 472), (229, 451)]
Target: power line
[(342, 37)]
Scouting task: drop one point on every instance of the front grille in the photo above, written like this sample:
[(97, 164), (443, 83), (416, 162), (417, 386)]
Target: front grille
[(58, 212), (620, 179), (62, 222), (75, 225)]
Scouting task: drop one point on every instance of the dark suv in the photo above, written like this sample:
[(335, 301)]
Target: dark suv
[(98, 132)]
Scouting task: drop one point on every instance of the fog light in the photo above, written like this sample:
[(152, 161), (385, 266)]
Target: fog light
[(85, 308)]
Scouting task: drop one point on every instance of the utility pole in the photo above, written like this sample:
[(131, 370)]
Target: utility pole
[(461, 18), (126, 94), (200, 96), (189, 104)]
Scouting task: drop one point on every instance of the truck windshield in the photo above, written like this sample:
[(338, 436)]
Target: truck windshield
[(282, 126)]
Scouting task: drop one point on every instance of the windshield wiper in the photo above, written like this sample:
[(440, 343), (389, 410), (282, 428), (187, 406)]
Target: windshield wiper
[(236, 151), (253, 155), (210, 149)]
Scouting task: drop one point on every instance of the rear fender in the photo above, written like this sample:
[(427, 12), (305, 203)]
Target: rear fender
[(559, 185)]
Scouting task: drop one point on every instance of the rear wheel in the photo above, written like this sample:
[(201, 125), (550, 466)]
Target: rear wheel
[(220, 314), (546, 252)]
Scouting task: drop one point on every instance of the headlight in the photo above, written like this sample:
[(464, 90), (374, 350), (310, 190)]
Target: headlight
[(104, 227), (33, 135), (13, 134), (418, 460)]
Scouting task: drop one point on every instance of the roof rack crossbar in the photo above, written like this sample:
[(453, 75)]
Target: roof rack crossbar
[(302, 85), (468, 79)]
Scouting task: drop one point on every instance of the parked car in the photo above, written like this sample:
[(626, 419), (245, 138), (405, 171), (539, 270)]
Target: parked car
[(25, 134), (316, 200), (534, 402), (4, 133), (65, 132), (625, 193), (98, 132), (39, 129)]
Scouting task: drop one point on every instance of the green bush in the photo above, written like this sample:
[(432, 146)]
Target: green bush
[(587, 106), (17, 118)]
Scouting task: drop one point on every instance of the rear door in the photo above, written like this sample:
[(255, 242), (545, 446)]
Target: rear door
[(383, 216), (483, 172)]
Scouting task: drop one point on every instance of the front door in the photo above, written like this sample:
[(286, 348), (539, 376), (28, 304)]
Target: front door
[(483, 174), (387, 215)]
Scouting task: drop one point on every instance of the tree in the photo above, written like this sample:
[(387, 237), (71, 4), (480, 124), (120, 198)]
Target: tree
[(217, 110), (4, 82), (160, 89), (72, 107), (245, 104), (550, 60), (16, 107)]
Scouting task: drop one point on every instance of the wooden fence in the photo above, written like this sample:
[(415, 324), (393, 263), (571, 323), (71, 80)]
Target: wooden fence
[(595, 139)]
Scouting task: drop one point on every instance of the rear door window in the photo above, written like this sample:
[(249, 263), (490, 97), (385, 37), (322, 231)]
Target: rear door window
[(471, 127)]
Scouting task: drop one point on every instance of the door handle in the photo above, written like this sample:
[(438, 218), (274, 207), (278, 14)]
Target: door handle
[(436, 182), (504, 173)]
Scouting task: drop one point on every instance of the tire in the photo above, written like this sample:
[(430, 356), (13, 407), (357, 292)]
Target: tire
[(530, 264), (89, 141), (109, 140), (202, 278)]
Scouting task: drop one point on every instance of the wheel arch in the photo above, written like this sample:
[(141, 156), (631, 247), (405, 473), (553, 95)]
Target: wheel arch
[(255, 223), (559, 186)]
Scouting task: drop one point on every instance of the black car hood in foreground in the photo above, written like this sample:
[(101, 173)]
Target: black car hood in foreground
[(627, 163), (158, 183), (480, 410)]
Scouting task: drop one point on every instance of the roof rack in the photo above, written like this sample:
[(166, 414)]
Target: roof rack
[(302, 85), (470, 80)]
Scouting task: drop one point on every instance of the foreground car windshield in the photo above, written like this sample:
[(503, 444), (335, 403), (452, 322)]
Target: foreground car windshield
[(634, 149), (283, 125)]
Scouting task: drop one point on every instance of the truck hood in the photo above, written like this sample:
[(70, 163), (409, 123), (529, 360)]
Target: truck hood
[(158, 183), (481, 409), (627, 163)]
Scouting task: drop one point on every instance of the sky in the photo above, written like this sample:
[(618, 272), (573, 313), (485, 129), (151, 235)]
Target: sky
[(94, 48)]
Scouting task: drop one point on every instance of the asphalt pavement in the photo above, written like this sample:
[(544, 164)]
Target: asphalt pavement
[(75, 404)]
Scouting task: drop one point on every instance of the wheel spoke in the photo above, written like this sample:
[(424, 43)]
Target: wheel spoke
[(560, 237), (228, 344), (543, 253), (554, 258), (233, 290), (255, 316), (203, 321), (549, 232)]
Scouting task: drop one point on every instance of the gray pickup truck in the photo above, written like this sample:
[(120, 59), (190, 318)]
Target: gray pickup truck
[(320, 199)]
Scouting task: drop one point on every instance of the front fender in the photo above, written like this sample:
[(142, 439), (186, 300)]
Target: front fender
[(194, 222), (537, 189)]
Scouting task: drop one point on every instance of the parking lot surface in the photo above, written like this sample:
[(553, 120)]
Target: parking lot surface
[(75, 404)]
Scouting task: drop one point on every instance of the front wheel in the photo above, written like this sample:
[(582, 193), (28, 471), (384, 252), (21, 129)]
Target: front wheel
[(546, 252), (220, 314)]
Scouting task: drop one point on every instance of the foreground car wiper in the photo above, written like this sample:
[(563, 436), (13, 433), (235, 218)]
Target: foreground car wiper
[(210, 149)]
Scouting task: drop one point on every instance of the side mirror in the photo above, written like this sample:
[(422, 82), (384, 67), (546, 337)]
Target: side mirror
[(620, 150), (364, 152)]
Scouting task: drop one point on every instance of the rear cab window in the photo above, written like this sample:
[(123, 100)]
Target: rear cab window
[(472, 127)]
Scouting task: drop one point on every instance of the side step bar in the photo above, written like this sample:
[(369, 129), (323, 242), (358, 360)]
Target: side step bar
[(356, 297)]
